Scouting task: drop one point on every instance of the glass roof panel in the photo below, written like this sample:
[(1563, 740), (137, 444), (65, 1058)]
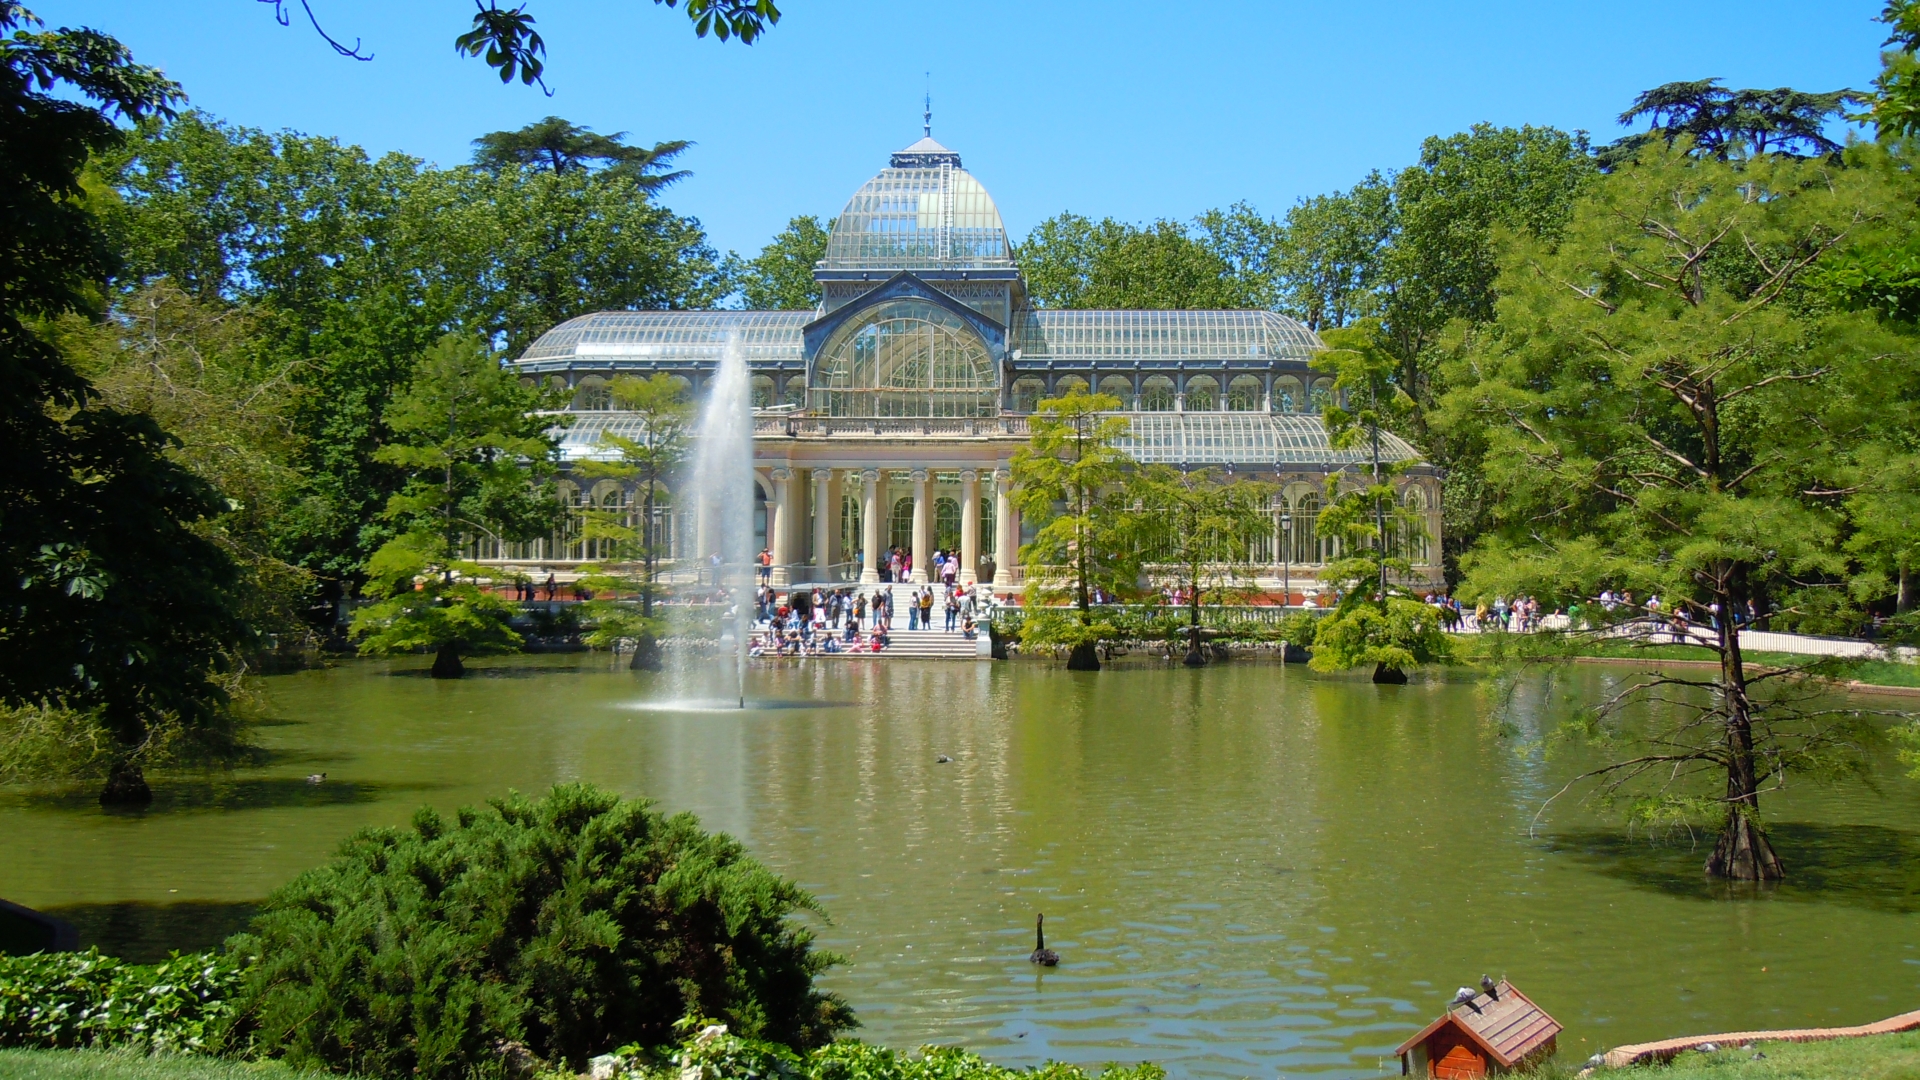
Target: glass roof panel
[(768, 337), (1104, 336), (919, 219), (1161, 438)]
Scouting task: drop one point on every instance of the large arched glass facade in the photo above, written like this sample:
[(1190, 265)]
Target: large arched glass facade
[(906, 357)]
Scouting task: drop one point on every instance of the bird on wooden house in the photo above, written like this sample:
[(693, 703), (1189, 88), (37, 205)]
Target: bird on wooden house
[(1492, 990), (1042, 955), (1465, 996)]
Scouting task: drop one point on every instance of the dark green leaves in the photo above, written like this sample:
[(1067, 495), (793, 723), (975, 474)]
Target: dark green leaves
[(508, 39)]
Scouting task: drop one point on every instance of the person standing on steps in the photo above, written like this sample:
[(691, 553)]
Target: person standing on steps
[(926, 607)]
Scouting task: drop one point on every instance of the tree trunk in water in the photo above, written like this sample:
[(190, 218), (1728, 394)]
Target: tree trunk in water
[(1084, 657), (1194, 658), (1391, 675), (646, 654), (126, 786), (1743, 852), (446, 663)]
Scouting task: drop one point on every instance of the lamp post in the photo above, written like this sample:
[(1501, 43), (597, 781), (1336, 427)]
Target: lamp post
[(1286, 557)]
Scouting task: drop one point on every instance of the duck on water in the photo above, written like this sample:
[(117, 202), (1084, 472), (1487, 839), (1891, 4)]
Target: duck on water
[(1042, 955)]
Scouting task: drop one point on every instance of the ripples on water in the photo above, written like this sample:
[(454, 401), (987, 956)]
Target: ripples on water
[(1248, 870)]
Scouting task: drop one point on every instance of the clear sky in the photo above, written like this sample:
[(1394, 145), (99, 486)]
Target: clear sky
[(1136, 109)]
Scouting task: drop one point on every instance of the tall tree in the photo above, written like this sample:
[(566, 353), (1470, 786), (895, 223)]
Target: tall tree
[(1721, 123), (645, 461), (1662, 414), (558, 145), (476, 453), (114, 605), (1068, 481), (1196, 528), (1378, 621), (780, 278), (1072, 262), (1328, 255)]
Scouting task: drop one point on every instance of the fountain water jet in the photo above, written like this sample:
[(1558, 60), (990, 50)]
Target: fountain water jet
[(721, 484)]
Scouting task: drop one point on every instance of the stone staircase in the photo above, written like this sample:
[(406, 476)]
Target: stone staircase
[(905, 644)]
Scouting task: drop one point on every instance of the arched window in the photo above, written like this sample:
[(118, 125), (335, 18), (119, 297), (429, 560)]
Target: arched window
[(1118, 386), (1307, 547), (1027, 392), (946, 525), (1156, 394), (796, 393), (762, 392), (1287, 395), (906, 358), (1322, 394), (900, 526), (1416, 544), (1243, 394), (1067, 384), (1203, 394), (592, 395)]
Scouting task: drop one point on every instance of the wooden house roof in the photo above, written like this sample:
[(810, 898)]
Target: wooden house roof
[(1508, 1028)]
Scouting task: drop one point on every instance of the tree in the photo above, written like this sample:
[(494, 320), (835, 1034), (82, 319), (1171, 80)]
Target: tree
[(780, 278), (558, 145), (512, 47), (1895, 111), (645, 461), (1328, 254), (1661, 413), (1072, 262), (1377, 621), (1721, 123), (1197, 528), (1067, 481), (114, 606), (475, 450)]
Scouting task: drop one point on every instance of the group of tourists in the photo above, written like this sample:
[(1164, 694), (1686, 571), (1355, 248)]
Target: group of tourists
[(824, 622)]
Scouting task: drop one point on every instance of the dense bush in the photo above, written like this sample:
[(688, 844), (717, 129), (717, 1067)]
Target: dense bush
[(60, 1001), (570, 924)]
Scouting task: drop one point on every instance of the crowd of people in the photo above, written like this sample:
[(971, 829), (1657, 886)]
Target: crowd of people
[(825, 622)]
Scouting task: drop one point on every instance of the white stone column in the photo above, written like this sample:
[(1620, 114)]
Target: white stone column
[(922, 546), (780, 513), (969, 527), (1005, 539), (826, 521), (836, 553), (870, 527)]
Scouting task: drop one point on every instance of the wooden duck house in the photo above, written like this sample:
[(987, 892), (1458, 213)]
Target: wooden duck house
[(1487, 1034)]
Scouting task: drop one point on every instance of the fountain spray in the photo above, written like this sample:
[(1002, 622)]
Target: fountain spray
[(723, 486)]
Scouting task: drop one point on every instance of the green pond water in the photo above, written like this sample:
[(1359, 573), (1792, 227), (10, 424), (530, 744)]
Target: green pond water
[(1250, 870)]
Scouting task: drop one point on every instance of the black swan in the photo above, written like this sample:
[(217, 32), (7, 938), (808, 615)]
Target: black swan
[(1042, 955)]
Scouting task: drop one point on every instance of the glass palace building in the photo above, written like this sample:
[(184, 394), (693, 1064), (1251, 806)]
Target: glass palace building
[(887, 417)]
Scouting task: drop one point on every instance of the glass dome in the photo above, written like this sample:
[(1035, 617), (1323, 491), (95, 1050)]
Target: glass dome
[(906, 358), (917, 215)]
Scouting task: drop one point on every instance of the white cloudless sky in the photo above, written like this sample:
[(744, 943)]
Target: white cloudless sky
[(1130, 108)]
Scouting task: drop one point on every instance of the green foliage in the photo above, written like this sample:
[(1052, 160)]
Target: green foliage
[(476, 453), (573, 924), (1724, 123), (557, 145), (86, 1000), (1196, 530), (711, 1053), (1073, 262), (1396, 634), (780, 278), (112, 602), (1068, 480), (511, 46)]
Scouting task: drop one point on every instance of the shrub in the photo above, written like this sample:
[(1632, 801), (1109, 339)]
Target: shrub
[(64, 1001), (569, 924), (713, 1054)]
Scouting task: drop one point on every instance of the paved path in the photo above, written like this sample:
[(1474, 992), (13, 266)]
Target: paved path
[(1665, 1050)]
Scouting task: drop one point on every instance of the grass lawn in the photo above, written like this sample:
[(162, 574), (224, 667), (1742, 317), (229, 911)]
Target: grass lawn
[(1882, 1057), (97, 1065)]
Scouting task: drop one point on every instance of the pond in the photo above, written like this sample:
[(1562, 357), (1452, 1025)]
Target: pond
[(1249, 869)]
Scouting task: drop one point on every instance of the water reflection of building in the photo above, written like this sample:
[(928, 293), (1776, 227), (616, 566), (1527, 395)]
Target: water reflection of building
[(887, 417)]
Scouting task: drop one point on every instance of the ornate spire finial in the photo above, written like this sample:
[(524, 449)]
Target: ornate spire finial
[(927, 117)]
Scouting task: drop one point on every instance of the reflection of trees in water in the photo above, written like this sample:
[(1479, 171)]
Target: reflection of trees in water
[(1865, 866), (186, 793), (145, 933)]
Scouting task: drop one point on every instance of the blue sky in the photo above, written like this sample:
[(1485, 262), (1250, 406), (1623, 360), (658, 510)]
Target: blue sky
[(1131, 109)]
